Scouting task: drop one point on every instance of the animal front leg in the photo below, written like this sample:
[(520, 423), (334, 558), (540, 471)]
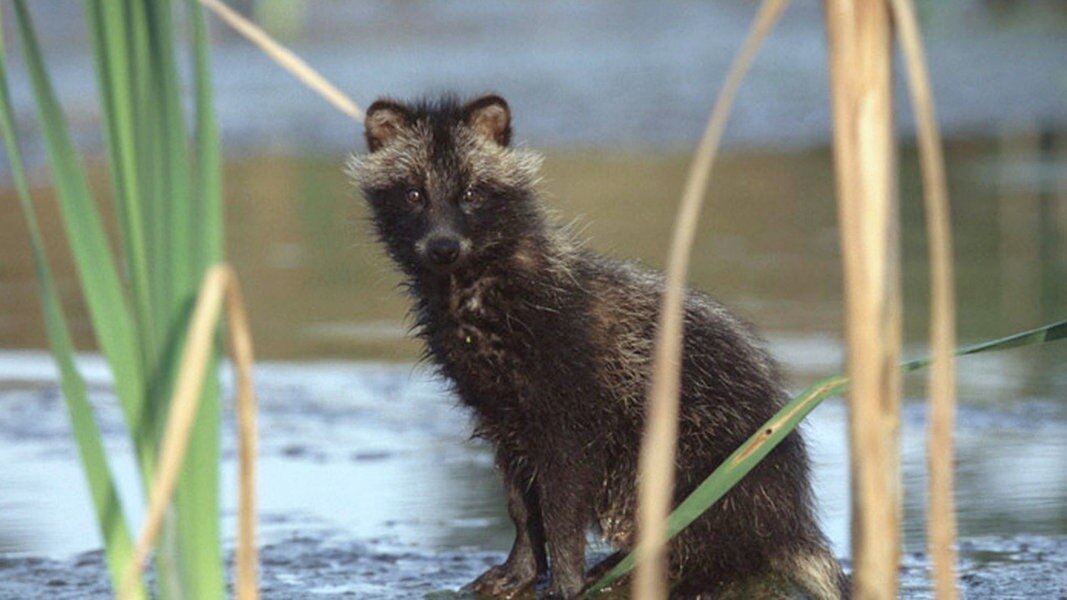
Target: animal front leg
[(527, 559), (565, 510)]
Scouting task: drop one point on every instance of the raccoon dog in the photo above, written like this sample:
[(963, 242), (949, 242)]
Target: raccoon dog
[(549, 344)]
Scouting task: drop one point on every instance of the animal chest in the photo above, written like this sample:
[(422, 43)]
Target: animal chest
[(515, 352), (484, 340)]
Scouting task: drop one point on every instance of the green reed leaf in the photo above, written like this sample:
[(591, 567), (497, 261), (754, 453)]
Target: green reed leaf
[(112, 58), (110, 516), (197, 493), (109, 310), (168, 210)]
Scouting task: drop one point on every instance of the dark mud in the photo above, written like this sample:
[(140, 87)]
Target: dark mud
[(298, 567), (327, 565)]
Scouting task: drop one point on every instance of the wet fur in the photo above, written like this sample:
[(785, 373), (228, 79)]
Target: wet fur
[(550, 345)]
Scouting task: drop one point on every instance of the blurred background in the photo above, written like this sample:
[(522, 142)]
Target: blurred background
[(359, 441)]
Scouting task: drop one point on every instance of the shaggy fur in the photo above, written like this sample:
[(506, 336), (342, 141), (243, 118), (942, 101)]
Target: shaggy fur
[(550, 345)]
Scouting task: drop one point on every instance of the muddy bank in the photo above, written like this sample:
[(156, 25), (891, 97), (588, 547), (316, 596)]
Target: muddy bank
[(330, 565)]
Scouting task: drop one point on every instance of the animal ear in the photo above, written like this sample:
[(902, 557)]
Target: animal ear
[(384, 121), (490, 117)]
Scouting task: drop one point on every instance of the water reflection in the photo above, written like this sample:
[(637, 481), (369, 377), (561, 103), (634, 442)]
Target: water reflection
[(767, 245)]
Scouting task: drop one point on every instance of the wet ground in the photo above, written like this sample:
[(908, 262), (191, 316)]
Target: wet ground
[(1017, 568), (368, 485)]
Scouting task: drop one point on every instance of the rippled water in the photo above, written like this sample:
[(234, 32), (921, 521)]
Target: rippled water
[(382, 451)]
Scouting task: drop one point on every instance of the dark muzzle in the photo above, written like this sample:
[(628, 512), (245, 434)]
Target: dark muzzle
[(443, 251)]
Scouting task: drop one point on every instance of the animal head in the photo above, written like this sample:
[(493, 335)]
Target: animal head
[(445, 187)]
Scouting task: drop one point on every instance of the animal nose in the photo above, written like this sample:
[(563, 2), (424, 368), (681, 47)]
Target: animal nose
[(443, 251)]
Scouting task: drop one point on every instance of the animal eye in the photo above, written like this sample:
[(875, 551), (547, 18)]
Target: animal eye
[(469, 197), (414, 196)]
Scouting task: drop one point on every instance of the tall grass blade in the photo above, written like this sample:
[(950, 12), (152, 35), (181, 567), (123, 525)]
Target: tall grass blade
[(109, 310), (164, 247), (206, 203), (118, 32), (749, 454), (174, 156), (112, 55), (149, 142), (110, 515), (207, 175), (656, 461), (207, 249), (197, 540)]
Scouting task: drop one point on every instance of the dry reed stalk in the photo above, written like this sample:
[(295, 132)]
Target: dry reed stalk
[(285, 59), (247, 555), (860, 69), (941, 512), (656, 466), (219, 283)]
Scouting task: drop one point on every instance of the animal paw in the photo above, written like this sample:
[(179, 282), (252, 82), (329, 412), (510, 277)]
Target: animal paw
[(558, 592), (502, 582), (556, 595)]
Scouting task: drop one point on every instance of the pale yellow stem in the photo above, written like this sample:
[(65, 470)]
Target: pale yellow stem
[(656, 468), (860, 69), (941, 513), (219, 283), (285, 59)]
